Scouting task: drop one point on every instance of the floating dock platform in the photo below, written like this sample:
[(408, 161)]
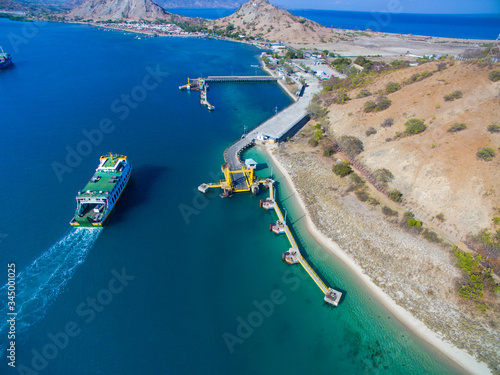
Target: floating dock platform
[(198, 84)]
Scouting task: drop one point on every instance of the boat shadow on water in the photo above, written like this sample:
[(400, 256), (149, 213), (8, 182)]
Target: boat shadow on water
[(261, 166), (12, 66), (136, 193)]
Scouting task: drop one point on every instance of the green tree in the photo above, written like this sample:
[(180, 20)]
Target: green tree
[(342, 169), (341, 63), (364, 62), (453, 95), (383, 102), (457, 127), (389, 212), (290, 55), (363, 93), (313, 141), (392, 87), (494, 128), (415, 126), (485, 153), (494, 75), (383, 175), (316, 111), (388, 122), (370, 106), (396, 195), (350, 145)]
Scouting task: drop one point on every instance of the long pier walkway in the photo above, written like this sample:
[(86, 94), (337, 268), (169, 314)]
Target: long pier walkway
[(332, 296), (299, 256), (240, 79)]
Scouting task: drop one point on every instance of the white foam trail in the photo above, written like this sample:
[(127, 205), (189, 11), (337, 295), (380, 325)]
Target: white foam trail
[(43, 280)]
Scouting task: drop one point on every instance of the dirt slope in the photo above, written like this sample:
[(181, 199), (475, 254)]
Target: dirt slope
[(437, 171)]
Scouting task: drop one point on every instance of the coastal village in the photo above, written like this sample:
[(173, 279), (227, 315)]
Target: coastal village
[(373, 157), (150, 29)]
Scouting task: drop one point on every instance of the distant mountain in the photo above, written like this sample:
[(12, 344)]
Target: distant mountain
[(102, 10), (259, 18), (13, 5), (36, 6), (231, 4)]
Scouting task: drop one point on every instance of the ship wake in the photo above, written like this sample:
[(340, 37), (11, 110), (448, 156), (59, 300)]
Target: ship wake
[(42, 281)]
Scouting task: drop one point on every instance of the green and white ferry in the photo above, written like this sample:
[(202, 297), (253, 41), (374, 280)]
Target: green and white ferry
[(98, 198)]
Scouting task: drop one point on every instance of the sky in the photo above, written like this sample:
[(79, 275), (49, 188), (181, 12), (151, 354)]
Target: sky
[(398, 6)]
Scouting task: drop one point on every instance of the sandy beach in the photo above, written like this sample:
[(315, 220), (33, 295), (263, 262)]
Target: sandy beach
[(458, 356)]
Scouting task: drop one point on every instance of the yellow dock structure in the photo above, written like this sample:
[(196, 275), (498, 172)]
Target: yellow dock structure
[(198, 84), (238, 177), (194, 84), (235, 181), (247, 183)]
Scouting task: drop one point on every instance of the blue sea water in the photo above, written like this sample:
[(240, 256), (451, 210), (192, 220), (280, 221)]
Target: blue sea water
[(471, 26), (165, 287)]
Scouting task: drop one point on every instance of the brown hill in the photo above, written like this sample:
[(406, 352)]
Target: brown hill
[(259, 18), (101, 10), (12, 5), (437, 171), (233, 4)]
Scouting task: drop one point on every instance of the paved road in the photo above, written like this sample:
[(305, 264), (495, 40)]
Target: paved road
[(275, 127)]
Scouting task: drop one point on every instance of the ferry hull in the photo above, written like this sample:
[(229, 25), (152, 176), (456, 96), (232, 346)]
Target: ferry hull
[(74, 223), (5, 64), (85, 221)]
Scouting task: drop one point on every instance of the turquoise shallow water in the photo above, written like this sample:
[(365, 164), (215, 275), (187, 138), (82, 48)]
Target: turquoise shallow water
[(158, 291)]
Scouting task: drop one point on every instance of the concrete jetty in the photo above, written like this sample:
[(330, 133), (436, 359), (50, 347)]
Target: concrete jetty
[(276, 128), (240, 79)]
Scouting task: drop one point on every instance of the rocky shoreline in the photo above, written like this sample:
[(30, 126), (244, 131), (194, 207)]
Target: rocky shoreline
[(412, 277)]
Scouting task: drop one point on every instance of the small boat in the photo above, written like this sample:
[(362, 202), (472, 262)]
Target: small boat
[(5, 59)]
